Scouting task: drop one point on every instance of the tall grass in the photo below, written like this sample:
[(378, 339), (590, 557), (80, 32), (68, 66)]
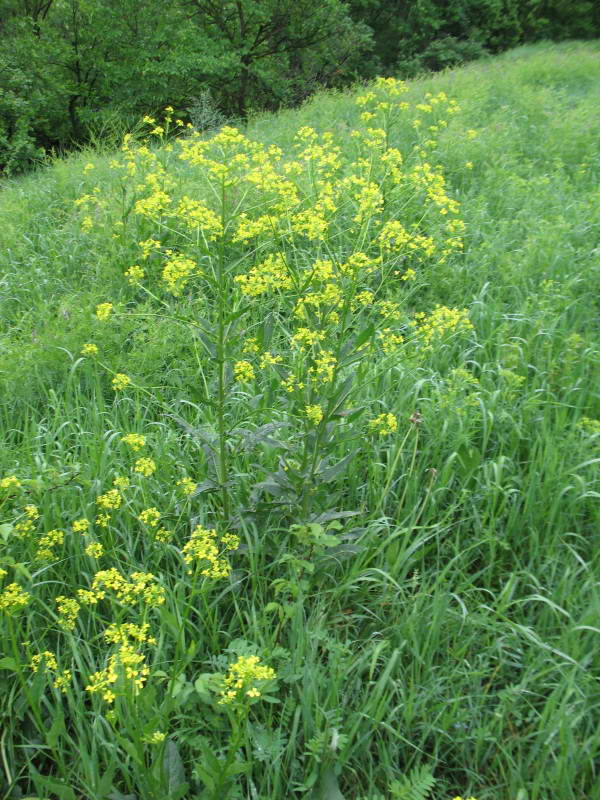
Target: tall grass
[(402, 532)]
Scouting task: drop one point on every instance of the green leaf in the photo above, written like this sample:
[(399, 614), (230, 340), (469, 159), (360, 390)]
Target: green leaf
[(174, 770), (417, 785), (6, 530), (9, 663), (328, 787), (331, 473)]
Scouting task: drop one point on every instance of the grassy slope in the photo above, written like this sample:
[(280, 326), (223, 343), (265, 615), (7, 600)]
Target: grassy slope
[(472, 642)]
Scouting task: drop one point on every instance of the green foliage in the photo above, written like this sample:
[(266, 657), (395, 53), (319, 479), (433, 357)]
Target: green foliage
[(433, 34)]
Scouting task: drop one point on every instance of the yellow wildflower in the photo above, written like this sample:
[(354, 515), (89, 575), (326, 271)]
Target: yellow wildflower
[(103, 311), (10, 482), (94, 550), (13, 598), (111, 499), (68, 609), (120, 381), (202, 549), (187, 485), (243, 371), (134, 274), (384, 424), (150, 516), (134, 440), (242, 679), (145, 466), (89, 350), (314, 413)]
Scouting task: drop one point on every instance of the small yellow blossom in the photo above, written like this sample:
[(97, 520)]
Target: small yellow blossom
[(68, 609), (134, 440), (242, 679), (46, 659), (10, 482), (145, 466), (162, 535), (150, 516), (88, 167), (94, 550), (63, 680), (111, 499), (121, 482), (13, 597), (202, 549), (89, 350), (187, 486), (154, 738), (102, 520), (269, 360), (80, 525), (134, 274), (104, 310), (314, 413), (47, 542), (243, 371), (384, 424), (120, 381), (31, 512)]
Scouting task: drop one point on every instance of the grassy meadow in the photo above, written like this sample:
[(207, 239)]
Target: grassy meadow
[(300, 435)]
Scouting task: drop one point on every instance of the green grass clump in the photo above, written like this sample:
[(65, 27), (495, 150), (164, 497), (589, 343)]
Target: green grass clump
[(301, 430)]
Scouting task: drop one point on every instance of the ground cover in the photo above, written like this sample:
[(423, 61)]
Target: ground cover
[(301, 429)]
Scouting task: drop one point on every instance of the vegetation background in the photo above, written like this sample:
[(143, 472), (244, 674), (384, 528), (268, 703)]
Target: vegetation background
[(218, 583), (74, 71)]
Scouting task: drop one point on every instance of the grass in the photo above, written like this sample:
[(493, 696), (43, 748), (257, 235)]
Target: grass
[(428, 598)]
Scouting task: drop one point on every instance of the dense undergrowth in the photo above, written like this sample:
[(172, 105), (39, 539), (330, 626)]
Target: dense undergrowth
[(301, 433)]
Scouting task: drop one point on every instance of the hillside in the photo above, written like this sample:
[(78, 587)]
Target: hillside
[(301, 433)]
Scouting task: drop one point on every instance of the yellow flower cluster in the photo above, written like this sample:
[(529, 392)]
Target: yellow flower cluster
[(305, 338), (104, 310), (68, 610), (120, 381), (177, 272), (126, 632), (145, 466), (10, 482), (109, 500), (244, 678), (196, 215), (94, 550), (243, 371), (384, 424), (80, 525), (589, 425), (47, 543), (269, 276), (134, 274), (134, 440), (150, 517), (187, 486), (13, 598), (141, 587), (389, 341), (202, 550), (126, 667), (441, 321), (89, 350), (314, 413), (47, 660)]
